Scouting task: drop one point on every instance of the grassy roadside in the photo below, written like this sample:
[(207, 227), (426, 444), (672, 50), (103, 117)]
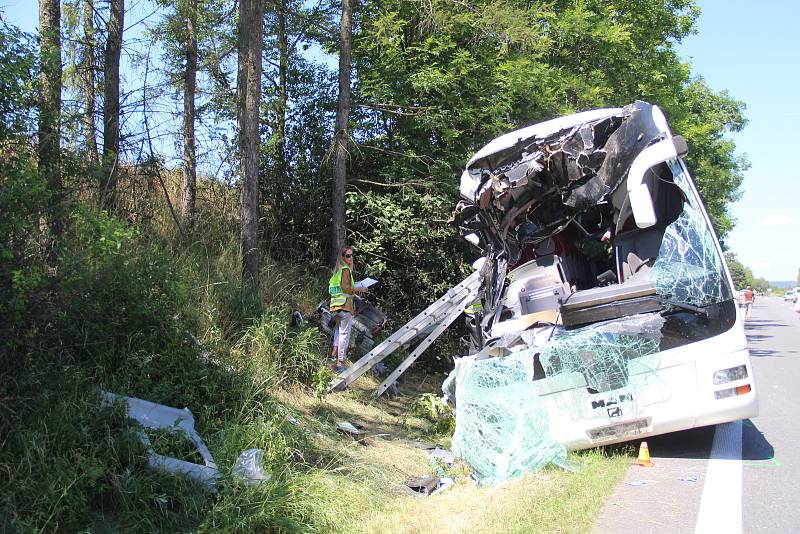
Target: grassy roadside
[(126, 314), (324, 481), (361, 489)]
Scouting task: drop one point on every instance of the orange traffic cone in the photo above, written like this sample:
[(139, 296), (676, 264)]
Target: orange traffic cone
[(644, 456)]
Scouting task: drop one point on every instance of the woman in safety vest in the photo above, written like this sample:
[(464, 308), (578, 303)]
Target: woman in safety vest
[(342, 289)]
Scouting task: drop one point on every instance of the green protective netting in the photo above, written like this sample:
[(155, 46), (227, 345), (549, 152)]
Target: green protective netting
[(501, 422), (688, 268)]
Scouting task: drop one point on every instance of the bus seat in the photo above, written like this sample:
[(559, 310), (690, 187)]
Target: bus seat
[(636, 250)]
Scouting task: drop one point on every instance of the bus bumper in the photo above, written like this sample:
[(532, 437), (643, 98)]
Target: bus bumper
[(706, 391)]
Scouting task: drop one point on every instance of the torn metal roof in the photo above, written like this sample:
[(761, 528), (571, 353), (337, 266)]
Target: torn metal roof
[(529, 184)]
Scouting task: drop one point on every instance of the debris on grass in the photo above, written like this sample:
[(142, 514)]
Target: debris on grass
[(157, 417), (425, 446), (446, 456), (444, 484), (248, 467), (345, 427), (424, 485)]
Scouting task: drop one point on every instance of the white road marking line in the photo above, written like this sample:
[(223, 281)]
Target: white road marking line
[(721, 503)]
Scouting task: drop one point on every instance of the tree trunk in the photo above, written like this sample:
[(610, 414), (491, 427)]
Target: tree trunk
[(282, 180), (189, 85), (251, 29), (88, 77), (50, 106), (241, 75), (341, 136), (111, 104)]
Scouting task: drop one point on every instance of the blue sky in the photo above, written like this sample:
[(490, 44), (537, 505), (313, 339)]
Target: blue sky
[(751, 50)]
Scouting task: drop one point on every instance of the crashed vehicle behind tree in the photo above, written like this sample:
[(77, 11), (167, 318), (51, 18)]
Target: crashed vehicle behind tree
[(368, 322), (607, 311)]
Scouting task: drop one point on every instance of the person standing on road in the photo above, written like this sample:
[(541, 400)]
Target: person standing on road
[(341, 288), (749, 298)]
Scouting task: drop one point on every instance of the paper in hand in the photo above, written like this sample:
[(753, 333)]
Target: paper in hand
[(366, 282)]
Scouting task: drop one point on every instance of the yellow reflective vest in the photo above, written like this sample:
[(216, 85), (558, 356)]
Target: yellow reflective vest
[(338, 296)]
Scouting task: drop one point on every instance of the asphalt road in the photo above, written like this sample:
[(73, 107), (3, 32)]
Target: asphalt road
[(748, 479), (771, 474)]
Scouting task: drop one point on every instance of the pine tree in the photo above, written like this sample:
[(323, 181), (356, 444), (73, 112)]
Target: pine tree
[(251, 24), (111, 136)]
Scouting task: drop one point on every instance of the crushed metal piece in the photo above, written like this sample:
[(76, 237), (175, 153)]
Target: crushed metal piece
[(423, 485)]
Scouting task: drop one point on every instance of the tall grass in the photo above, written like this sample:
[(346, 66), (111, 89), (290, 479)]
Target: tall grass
[(133, 313), (137, 309)]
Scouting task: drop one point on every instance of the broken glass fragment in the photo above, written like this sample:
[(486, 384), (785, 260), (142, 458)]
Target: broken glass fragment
[(602, 352), (501, 421), (688, 268)]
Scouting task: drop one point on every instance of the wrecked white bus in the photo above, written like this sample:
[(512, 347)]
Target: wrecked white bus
[(607, 309)]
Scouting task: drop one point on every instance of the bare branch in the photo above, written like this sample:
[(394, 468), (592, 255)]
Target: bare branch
[(395, 109), (150, 146)]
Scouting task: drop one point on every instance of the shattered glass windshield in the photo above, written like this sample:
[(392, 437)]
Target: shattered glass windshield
[(689, 268), (602, 352)]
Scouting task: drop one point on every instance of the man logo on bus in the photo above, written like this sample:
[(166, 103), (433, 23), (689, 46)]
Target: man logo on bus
[(613, 401), (615, 411)]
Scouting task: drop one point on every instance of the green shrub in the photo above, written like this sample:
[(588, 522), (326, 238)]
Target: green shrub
[(121, 297), (431, 407), (273, 349), (23, 198)]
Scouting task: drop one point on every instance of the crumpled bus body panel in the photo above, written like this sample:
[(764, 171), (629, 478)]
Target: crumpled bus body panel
[(605, 288)]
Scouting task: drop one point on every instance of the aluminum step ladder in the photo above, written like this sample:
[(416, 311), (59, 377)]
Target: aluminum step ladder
[(438, 315)]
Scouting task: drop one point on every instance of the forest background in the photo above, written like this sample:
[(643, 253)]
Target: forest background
[(190, 207)]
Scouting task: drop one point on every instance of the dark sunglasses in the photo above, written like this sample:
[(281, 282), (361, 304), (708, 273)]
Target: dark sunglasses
[(347, 255)]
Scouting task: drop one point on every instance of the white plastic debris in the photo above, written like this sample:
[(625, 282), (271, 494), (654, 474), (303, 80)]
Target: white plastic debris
[(347, 428), (446, 456), (157, 416), (248, 467), (444, 484)]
